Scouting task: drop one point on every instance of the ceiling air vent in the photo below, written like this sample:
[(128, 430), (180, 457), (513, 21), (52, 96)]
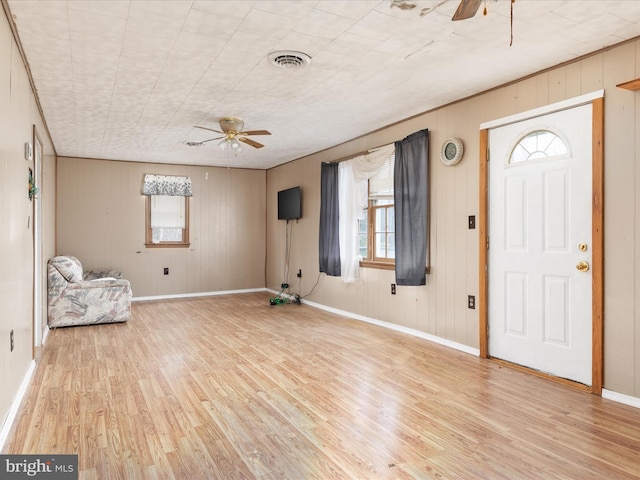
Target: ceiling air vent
[(289, 59)]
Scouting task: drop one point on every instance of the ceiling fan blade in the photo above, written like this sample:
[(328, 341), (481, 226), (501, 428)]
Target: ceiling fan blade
[(197, 144), (248, 141), (207, 128), (255, 132), (466, 9)]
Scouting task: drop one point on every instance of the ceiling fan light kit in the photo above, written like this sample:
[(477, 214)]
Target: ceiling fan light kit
[(232, 143)]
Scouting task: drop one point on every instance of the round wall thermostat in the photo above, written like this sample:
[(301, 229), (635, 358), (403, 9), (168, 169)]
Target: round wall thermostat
[(451, 152)]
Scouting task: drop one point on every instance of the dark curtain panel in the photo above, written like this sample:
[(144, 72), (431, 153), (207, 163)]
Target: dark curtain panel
[(410, 178), (329, 240)]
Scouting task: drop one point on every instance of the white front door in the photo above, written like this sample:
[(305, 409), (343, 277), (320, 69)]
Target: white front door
[(540, 243)]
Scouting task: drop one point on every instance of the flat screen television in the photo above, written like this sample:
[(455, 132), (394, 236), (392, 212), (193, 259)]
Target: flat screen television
[(290, 203)]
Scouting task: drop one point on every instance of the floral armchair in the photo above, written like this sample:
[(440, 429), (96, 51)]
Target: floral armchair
[(84, 298)]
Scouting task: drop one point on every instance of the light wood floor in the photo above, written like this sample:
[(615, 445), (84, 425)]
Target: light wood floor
[(231, 388)]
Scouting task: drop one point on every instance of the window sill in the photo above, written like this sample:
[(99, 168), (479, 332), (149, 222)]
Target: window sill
[(384, 265), (167, 245), (380, 265)]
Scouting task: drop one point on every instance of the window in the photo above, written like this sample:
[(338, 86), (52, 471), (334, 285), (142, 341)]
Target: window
[(167, 221), (167, 210), (538, 144), (376, 227)]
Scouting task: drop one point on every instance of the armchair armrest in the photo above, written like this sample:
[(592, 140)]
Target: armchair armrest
[(107, 282)]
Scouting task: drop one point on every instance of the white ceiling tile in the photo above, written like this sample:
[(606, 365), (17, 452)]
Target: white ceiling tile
[(402, 45), (96, 24), (196, 49), (176, 9), (266, 24), (321, 24), (153, 24), (211, 24), (53, 49), (352, 45), (353, 9), (53, 27), (379, 26), (291, 8), (232, 8), (242, 53), (31, 11), (110, 8)]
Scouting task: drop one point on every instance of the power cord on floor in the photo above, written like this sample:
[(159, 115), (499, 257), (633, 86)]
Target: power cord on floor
[(312, 288)]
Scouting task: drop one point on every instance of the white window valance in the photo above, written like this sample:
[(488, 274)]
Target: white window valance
[(166, 185)]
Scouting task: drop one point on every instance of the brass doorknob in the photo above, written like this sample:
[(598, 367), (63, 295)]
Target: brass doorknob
[(582, 266)]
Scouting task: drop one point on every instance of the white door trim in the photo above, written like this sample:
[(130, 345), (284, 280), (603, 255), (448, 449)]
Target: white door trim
[(39, 272), (538, 112)]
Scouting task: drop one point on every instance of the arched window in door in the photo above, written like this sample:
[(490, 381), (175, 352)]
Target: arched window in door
[(538, 144)]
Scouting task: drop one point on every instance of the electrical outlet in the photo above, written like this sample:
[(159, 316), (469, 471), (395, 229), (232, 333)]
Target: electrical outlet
[(166, 270), (11, 340), (471, 301), (284, 285), (393, 289)]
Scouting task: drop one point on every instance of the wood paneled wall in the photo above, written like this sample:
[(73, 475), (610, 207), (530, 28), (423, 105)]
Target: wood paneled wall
[(440, 307), (101, 214), (18, 115)]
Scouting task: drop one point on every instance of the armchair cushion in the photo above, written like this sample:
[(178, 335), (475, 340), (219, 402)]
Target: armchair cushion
[(75, 300)]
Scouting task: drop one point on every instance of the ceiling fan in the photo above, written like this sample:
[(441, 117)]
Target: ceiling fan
[(468, 9), (232, 134)]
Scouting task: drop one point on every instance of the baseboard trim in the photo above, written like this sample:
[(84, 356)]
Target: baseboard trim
[(15, 405), (45, 335), (621, 398), (198, 294), (399, 328)]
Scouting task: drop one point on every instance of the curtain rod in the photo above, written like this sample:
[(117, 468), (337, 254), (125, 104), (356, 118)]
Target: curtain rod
[(364, 152), (372, 149)]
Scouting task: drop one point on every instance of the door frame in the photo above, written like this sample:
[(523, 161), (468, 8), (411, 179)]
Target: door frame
[(596, 99), (39, 275)]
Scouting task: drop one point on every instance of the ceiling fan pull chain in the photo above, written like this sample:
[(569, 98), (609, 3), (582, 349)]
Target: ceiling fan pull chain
[(512, 2)]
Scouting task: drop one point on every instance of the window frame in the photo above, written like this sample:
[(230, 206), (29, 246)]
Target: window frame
[(384, 263), (148, 239), (373, 233), (514, 159), (373, 261)]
